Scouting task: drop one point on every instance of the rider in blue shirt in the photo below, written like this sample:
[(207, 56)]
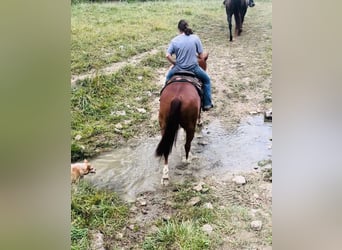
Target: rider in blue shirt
[(187, 46)]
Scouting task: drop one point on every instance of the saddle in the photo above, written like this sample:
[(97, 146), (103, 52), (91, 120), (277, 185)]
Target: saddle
[(186, 76)]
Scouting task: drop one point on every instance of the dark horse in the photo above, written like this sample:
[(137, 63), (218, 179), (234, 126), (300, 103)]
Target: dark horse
[(238, 8), (180, 106)]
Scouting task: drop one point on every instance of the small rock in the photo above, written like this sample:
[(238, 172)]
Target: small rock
[(256, 225), (78, 137), (118, 130), (140, 78), (198, 187), (119, 236), (118, 126), (122, 113), (253, 212), (208, 205), (193, 201), (97, 241), (240, 180), (207, 229), (141, 110), (142, 201)]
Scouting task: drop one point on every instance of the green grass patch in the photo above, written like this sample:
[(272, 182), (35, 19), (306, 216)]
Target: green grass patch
[(93, 209), (184, 229), (106, 33), (107, 110), (175, 235)]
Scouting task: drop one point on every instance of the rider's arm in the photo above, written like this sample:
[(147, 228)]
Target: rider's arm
[(170, 59)]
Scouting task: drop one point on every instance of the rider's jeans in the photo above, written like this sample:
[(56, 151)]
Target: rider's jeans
[(203, 76)]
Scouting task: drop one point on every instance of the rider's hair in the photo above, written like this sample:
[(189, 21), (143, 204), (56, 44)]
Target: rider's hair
[(183, 27)]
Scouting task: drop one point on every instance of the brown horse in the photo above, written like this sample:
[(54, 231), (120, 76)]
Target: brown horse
[(180, 106)]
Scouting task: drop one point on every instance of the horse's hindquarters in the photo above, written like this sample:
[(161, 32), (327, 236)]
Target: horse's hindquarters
[(179, 106)]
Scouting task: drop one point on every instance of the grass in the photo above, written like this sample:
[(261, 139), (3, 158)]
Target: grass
[(102, 34), (107, 110), (175, 235), (183, 230), (93, 209)]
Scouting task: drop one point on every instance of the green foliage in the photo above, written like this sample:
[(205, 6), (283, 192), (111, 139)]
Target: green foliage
[(155, 61), (95, 209), (183, 230), (175, 235), (102, 34), (99, 104), (79, 238)]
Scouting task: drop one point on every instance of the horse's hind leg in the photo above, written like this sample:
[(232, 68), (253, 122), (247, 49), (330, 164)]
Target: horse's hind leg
[(199, 120), (165, 176), (229, 20), (238, 28), (190, 133)]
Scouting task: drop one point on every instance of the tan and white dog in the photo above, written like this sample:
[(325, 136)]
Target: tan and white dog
[(78, 170)]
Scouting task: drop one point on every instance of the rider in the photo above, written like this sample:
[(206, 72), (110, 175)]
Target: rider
[(187, 46)]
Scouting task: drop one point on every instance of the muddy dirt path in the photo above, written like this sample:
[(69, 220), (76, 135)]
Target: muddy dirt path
[(241, 90), (231, 142)]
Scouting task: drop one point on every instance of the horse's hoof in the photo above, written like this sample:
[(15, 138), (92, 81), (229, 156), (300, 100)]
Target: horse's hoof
[(200, 124), (185, 162), (165, 181)]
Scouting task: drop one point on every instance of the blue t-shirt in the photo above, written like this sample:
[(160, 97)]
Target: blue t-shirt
[(186, 49)]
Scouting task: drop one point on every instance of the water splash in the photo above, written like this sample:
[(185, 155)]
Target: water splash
[(134, 169)]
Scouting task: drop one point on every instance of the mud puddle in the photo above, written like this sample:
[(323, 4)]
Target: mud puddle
[(134, 169)]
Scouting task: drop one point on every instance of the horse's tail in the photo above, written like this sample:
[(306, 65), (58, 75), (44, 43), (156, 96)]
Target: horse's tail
[(170, 133)]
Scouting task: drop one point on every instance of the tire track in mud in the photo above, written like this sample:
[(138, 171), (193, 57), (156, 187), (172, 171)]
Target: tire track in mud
[(113, 67)]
